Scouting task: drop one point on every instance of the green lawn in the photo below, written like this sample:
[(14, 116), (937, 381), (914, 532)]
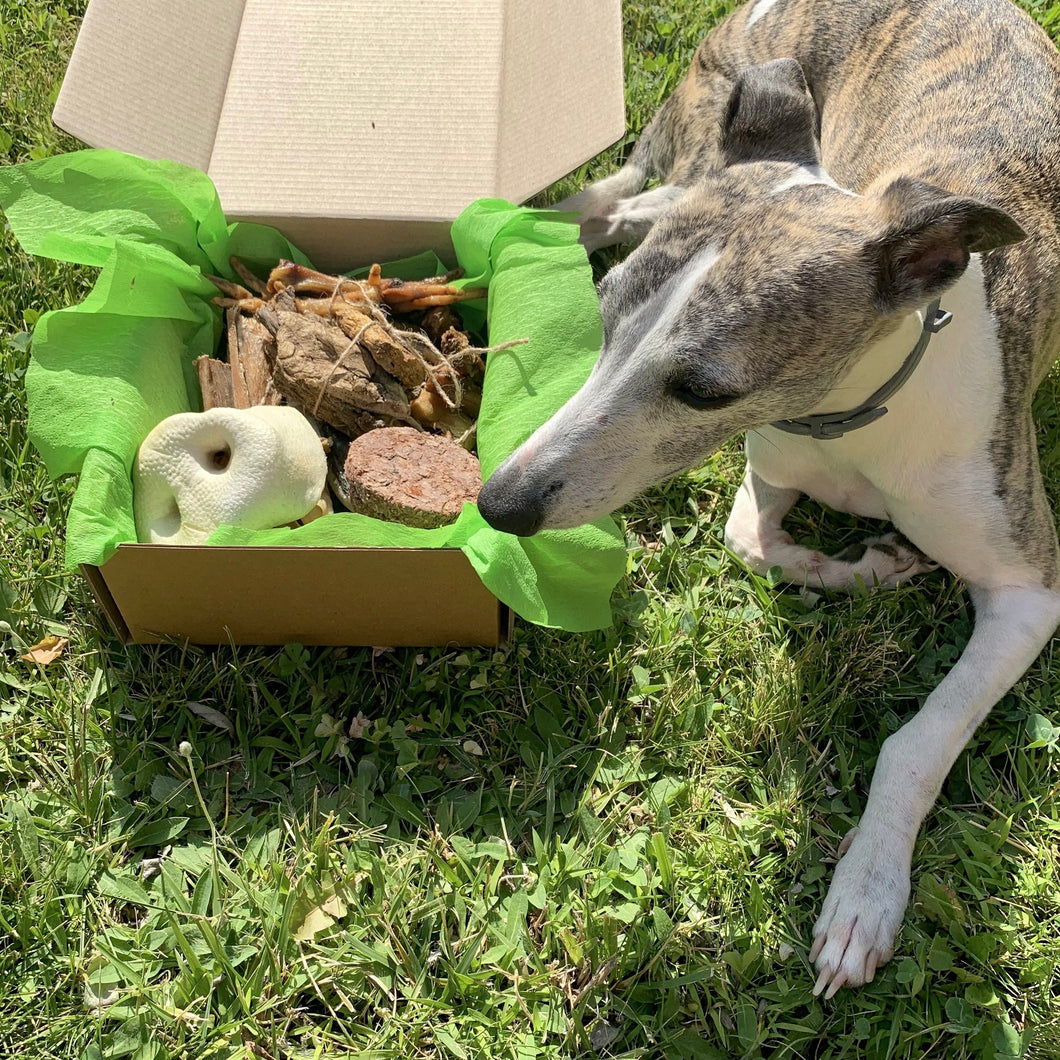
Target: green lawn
[(606, 844)]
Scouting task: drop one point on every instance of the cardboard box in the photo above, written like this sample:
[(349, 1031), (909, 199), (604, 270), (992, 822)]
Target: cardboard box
[(360, 131), (378, 597)]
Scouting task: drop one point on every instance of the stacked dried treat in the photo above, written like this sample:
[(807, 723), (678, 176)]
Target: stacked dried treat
[(398, 401)]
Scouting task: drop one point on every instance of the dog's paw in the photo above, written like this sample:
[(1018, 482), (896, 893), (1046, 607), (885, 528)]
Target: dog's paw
[(765, 548), (861, 915), (590, 203), (888, 560), (607, 218)]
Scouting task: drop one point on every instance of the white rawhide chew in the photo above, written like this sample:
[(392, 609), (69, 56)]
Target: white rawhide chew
[(253, 468)]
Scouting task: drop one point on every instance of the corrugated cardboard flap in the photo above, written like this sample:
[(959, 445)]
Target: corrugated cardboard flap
[(562, 93), (149, 76), (350, 109)]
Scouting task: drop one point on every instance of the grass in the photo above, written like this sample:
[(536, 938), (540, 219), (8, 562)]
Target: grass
[(607, 844)]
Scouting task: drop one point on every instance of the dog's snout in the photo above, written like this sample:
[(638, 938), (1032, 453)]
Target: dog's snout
[(514, 510)]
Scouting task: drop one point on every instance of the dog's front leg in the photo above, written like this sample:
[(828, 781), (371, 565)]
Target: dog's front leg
[(753, 532), (864, 907)]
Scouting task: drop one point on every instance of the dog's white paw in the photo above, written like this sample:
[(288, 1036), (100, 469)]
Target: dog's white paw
[(592, 202), (600, 231), (763, 548), (600, 201), (888, 560), (607, 219), (855, 932)]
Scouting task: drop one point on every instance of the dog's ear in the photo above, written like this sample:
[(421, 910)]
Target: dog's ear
[(770, 117), (928, 239)]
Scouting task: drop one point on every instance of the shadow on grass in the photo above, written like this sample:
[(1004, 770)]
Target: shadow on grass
[(615, 840)]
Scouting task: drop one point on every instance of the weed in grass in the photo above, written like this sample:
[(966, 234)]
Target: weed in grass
[(605, 844)]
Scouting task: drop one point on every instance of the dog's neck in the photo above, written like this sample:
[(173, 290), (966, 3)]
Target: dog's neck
[(878, 362)]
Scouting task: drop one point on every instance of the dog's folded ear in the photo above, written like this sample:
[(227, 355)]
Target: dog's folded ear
[(770, 117), (929, 236)]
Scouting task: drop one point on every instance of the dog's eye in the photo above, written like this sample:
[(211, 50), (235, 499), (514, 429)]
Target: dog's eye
[(699, 397)]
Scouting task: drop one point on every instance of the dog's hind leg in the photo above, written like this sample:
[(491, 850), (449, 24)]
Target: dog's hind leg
[(863, 911), (628, 220), (610, 211), (753, 532)]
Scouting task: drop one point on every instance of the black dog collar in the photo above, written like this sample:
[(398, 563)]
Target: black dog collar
[(835, 424)]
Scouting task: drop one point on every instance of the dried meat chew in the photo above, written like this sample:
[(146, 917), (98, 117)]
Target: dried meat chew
[(406, 476)]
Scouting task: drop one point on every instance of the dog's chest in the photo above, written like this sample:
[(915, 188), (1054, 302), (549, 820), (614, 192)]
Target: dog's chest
[(847, 490), (810, 468), (935, 435)]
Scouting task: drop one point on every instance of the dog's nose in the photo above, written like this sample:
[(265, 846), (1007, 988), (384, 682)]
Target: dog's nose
[(510, 510)]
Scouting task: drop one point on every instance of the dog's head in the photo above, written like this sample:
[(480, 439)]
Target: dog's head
[(749, 298)]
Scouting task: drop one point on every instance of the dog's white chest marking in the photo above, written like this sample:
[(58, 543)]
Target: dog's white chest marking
[(931, 444), (760, 10)]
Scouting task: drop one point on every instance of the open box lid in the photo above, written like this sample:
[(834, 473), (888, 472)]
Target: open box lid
[(353, 127)]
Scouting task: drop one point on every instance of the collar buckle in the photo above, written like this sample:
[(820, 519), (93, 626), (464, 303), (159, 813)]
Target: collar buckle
[(938, 321)]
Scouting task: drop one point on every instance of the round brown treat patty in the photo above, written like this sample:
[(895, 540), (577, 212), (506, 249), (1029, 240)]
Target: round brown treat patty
[(409, 476)]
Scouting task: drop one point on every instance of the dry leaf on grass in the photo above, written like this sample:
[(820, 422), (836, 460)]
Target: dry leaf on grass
[(47, 651), (360, 725), (102, 985), (210, 714), (321, 918), (328, 726), (316, 922)]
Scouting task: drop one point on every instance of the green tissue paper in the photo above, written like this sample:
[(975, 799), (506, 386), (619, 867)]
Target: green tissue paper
[(103, 373)]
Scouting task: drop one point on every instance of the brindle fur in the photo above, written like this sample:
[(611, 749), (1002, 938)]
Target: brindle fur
[(890, 84), (829, 167)]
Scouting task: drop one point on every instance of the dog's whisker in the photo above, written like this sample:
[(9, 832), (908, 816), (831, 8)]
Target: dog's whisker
[(756, 431)]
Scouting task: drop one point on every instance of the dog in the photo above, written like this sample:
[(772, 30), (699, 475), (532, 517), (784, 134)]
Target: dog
[(853, 255)]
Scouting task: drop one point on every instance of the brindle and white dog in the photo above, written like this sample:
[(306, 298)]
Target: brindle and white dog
[(830, 169)]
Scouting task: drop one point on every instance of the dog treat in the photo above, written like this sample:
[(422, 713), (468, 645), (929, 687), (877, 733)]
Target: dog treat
[(245, 379), (330, 347), (437, 321), (215, 382), (254, 468), (319, 369), (406, 476), (406, 363), (462, 356), (444, 404), (256, 352), (408, 356), (405, 296), (240, 391), (402, 295)]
